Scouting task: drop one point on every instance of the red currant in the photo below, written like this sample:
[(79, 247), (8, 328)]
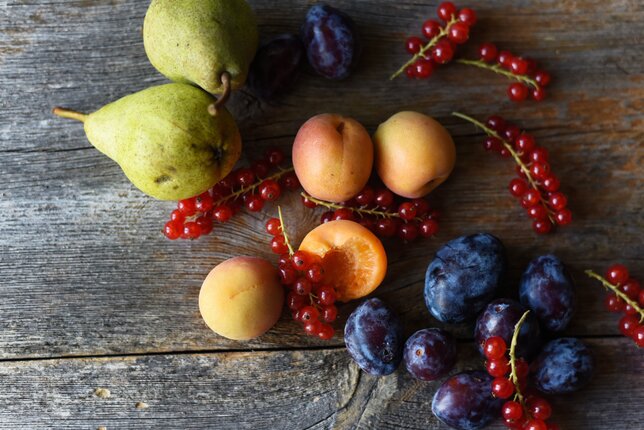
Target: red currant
[(177, 216), (190, 230), (532, 197), (228, 182), (631, 288), (187, 206), (290, 181), (628, 324), (431, 29), (630, 310), (446, 10), (640, 298), (539, 155), (311, 327), (295, 301), (365, 197), (542, 77), (442, 52), (205, 224), (638, 335), (329, 313), (343, 213), (423, 68), (535, 424), (540, 408), (540, 171), (532, 66), (518, 66), (512, 410), (407, 211), (326, 295), (498, 367), (511, 132), (385, 228), (384, 198), (538, 94), (410, 71), (517, 92), (518, 187), (308, 203), (223, 213), (274, 156), (524, 143), (203, 202), (558, 201), (260, 168), (172, 230), (494, 347), (288, 275), (496, 123), (502, 388), (273, 226), (522, 368), (541, 226), (551, 183), (408, 231), (458, 33), (315, 273), (467, 16), (270, 190), (538, 212), (617, 274), (301, 260), (613, 303), (413, 44), (492, 143), (254, 203), (563, 217), (302, 286), (309, 313), (428, 228), (504, 59), (488, 52), (245, 177), (278, 245), (325, 332), (326, 217), (504, 152)]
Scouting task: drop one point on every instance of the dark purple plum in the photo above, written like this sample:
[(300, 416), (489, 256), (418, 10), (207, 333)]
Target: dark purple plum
[(276, 66), (374, 337), (547, 289), (564, 365), (499, 319), (463, 277), (330, 40), (429, 354), (465, 402)]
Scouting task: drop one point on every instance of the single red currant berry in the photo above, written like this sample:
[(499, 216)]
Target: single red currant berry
[(551, 183), (273, 227), (617, 274), (172, 230), (512, 410), (442, 52), (498, 367), (515, 424), (386, 228), (488, 52), (413, 44), (422, 207), (301, 260), (467, 16), (524, 143), (311, 327), (458, 33), (423, 68), (494, 347), (518, 187), (628, 324), (327, 295), (496, 123), (365, 197), (613, 303), (518, 66), (308, 203), (640, 298), (325, 331), (631, 288), (187, 206), (522, 368), (541, 226), (517, 92), (446, 10), (270, 190), (343, 213), (410, 71), (504, 59), (205, 224), (539, 155), (274, 156), (563, 217), (431, 29), (326, 217), (502, 388), (228, 182), (542, 77), (177, 216), (511, 132), (492, 143), (384, 198), (302, 286), (538, 94), (535, 424), (538, 212), (190, 230), (278, 246), (408, 231), (290, 181), (295, 301), (532, 197), (540, 170), (222, 213), (288, 275), (630, 310), (329, 313), (254, 203), (504, 152), (309, 313), (638, 335), (260, 168), (428, 228), (558, 200), (315, 273), (540, 408), (407, 211), (245, 177)]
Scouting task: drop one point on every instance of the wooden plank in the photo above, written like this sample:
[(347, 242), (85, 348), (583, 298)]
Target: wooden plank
[(319, 389), (86, 271)]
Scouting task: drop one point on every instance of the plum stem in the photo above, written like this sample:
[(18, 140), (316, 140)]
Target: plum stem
[(617, 292), (213, 108), (443, 32), (513, 360), (512, 152), (283, 228), (69, 114), (500, 70)]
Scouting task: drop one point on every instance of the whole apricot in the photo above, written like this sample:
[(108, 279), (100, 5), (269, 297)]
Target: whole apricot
[(241, 298), (414, 154), (332, 157)]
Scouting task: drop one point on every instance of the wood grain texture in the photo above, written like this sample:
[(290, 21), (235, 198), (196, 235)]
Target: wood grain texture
[(320, 389)]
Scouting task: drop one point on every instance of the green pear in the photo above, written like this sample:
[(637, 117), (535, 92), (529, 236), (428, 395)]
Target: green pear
[(165, 140), (201, 42)]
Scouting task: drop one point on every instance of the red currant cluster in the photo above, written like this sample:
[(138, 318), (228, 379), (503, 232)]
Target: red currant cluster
[(510, 377), (248, 187), (530, 80), (441, 41), (377, 210), (311, 301), (625, 296), (536, 187)]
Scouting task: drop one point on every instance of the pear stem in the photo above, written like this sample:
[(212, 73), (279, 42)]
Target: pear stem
[(214, 107), (69, 114)]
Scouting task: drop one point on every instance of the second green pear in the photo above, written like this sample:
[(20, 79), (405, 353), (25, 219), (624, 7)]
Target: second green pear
[(164, 139), (196, 41)]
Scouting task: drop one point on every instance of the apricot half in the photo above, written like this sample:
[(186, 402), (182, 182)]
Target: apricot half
[(353, 258), (241, 298)]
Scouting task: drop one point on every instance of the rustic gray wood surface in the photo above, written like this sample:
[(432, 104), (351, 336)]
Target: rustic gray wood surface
[(93, 296)]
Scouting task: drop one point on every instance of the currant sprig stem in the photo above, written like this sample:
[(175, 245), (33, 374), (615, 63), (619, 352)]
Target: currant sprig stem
[(252, 187), (443, 32), (512, 152), (634, 304), (359, 210), (496, 68), (283, 228), (513, 361)]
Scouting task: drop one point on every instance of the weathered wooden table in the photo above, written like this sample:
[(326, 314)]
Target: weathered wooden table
[(93, 296)]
